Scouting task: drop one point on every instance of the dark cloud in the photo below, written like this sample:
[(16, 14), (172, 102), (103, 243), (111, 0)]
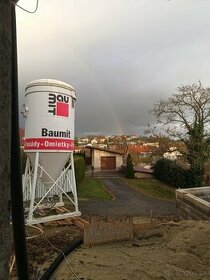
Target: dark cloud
[(121, 56)]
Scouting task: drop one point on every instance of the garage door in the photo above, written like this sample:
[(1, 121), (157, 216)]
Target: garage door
[(108, 163)]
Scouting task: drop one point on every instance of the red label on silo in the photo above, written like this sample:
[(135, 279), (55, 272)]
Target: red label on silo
[(49, 144)]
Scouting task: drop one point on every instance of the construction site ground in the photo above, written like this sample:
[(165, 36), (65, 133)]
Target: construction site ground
[(166, 249)]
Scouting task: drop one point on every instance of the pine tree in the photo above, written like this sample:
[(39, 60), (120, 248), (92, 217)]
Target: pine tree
[(129, 168)]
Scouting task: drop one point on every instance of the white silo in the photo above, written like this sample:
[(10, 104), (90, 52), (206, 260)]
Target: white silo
[(49, 112)]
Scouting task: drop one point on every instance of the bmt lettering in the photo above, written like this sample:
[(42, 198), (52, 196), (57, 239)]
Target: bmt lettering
[(58, 105), (62, 98), (52, 98)]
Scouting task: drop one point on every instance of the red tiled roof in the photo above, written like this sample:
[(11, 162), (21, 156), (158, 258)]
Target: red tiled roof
[(139, 149), (105, 150)]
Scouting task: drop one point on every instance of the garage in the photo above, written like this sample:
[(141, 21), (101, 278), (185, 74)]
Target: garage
[(103, 159), (108, 163)]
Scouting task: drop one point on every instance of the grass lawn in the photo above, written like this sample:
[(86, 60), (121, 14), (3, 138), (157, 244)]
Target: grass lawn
[(153, 188), (93, 188)]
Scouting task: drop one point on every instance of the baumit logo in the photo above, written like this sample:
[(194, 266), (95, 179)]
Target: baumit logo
[(58, 105)]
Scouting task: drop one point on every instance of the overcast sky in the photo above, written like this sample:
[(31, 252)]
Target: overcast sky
[(121, 55)]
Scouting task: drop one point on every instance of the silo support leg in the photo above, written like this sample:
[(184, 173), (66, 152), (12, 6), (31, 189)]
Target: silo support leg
[(25, 180), (74, 191), (33, 187)]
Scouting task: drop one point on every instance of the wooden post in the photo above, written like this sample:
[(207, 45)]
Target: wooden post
[(5, 127)]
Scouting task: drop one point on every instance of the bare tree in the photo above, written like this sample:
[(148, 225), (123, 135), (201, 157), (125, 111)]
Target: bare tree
[(186, 117)]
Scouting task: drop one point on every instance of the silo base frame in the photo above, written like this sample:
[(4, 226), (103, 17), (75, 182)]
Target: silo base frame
[(30, 183)]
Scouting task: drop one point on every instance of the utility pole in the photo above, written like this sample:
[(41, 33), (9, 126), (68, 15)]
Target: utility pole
[(10, 174), (5, 127)]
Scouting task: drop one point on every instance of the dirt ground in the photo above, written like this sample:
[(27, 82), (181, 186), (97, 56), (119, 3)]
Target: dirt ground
[(41, 249), (169, 251)]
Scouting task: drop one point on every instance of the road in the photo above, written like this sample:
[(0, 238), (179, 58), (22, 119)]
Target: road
[(128, 202)]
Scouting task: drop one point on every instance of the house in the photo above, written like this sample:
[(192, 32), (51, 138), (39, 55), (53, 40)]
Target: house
[(93, 141), (172, 154), (83, 140), (103, 146), (141, 151), (101, 139), (131, 137), (152, 144), (118, 147), (103, 159)]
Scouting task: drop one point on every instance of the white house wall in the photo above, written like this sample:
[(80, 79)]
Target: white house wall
[(96, 160)]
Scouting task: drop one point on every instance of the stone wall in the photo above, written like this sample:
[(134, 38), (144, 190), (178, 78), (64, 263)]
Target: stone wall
[(192, 205), (100, 232)]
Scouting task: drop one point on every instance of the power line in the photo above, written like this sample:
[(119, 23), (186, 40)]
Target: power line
[(25, 10)]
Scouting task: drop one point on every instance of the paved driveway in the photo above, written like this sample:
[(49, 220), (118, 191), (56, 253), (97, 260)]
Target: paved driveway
[(128, 202)]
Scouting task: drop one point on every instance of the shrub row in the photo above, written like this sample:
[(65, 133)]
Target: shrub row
[(171, 173), (79, 166)]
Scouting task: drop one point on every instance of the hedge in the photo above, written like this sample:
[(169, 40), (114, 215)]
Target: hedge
[(171, 173), (79, 166), (194, 177)]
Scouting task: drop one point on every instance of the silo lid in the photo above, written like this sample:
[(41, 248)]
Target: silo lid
[(51, 82)]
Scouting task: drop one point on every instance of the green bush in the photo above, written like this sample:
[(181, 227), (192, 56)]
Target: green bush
[(79, 165), (169, 172), (129, 168), (194, 177)]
